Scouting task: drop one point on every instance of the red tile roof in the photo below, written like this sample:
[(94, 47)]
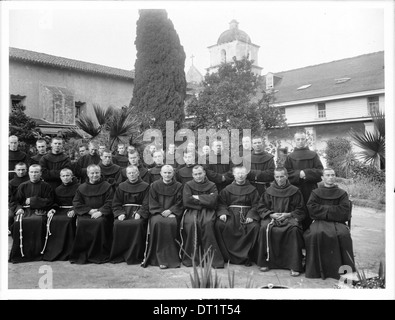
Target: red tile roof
[(65, 63), (366, 73)]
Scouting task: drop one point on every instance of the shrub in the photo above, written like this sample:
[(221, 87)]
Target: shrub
[(370, 172), (364, 191), (339, 156)]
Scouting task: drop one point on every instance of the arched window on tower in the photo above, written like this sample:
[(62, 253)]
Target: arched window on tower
[(223, 56)]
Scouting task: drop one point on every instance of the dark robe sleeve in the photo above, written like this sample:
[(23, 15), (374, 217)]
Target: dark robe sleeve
[(117, 203), (252, 213), (266, 175), (297, 203), (144, 209), (330, 212), (80, 207), (205, 200), (314, 174), (43, 201), (105, 209), (264, 206), (155, 207), (177, 208), (223, 203), (51, 174), (293, 174)]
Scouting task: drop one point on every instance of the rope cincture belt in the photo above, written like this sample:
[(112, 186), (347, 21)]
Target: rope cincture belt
[(48, 225), (48, 232), (268, 238), (132, 205), (19, 218), (242, 217)]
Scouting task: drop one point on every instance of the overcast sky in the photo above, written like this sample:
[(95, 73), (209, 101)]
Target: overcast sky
[(290, 34)]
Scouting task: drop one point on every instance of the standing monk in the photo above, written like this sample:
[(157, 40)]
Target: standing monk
[(53, 162), (304, 169), (130, 207), (120, 158), (14, 156), (219, 172), (262, 166), (184, 173), (155, 169), (83, 162), (109, 170), (34, 198), (41, 146), (328, 239), (280, 239), (237, 225), (165, 206), (92, 204), (197, 225)]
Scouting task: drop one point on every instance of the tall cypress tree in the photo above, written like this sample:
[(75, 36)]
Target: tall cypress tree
[(160, 86)]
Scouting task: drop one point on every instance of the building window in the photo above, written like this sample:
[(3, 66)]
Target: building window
[(269, 81), (321, 110), (282, 111), (373, 104), (223, 56), (305, 86), (78, 108), (341, 80), (17, 99)]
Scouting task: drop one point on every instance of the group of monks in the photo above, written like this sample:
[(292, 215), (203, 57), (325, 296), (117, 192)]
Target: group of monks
[(181, 208)]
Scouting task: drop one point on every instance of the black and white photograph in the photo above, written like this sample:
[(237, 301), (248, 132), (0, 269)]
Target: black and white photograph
[(159, 147)]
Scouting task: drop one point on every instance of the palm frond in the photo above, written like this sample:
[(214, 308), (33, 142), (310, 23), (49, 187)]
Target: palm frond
[(123, 124), (86, 124), (102, 115), (378, 118), (372, 145)]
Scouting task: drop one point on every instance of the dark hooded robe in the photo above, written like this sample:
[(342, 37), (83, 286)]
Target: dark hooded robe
[(110, 173), (14, 157), (83, 163), (28, 232), (328, 239), (12, 204), (236, 238), (215, 171), (155, 172), (61, 227), (36, 159), (93, 237), (201, 211), (163, 232), (144, 175), (51, 165), (129, 235), (262, 170), (308, 161), (184, 173), (120, 160), (280, 243)]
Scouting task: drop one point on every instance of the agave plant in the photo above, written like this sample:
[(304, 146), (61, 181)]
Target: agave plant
[(372, 143)]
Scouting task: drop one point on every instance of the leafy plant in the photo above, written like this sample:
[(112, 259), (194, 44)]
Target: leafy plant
[(202, 273), (372, 143), (110, 126)]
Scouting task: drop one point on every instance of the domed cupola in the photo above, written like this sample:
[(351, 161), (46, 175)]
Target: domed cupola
[(233, 44), (233, 33)]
